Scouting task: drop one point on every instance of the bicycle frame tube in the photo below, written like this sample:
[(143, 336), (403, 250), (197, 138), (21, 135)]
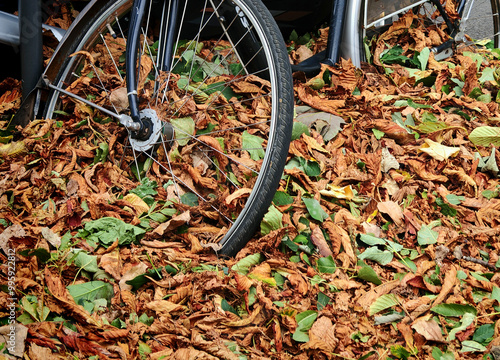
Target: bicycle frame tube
[(30, 29), (166, 47), (335, 31)]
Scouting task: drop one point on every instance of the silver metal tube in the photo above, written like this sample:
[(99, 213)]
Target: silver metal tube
[(9, 30)]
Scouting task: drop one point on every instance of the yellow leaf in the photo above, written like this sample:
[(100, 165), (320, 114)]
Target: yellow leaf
[(12, 149), (338, 192), (137, 203), (438, 151)]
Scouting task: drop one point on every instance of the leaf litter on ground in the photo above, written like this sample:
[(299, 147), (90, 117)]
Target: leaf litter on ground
[(382, 241)]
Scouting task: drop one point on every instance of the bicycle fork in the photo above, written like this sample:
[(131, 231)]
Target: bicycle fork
[(144, 126)]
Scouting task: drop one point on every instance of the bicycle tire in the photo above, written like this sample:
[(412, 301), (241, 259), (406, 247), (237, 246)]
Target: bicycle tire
[(482, 23), (265, 110)]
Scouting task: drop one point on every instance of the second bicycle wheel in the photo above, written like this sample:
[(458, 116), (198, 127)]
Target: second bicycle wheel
[(478, 23), (214, 86)]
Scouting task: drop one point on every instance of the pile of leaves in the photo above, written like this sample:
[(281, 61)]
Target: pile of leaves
[(382, 241)]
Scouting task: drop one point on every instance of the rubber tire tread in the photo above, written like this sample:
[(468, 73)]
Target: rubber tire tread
[(282, 134)]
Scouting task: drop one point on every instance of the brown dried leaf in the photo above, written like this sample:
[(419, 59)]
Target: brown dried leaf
[(319, 241), (173, 223), (429, 329), (393, 210)]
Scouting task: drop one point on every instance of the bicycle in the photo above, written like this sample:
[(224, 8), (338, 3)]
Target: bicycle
[(204, 91)]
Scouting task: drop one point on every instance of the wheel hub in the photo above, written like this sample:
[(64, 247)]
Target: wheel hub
[(150, 132)]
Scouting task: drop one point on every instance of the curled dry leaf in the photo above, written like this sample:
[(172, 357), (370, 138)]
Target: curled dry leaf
[(429, 329), (394, 131), (393, 210), (173, 223), (319, 241)]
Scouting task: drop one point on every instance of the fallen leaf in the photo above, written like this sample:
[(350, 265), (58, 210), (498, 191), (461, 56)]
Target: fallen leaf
[(429, 329), (438, 151)]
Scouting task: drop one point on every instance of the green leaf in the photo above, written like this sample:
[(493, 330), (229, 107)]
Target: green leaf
[(305, 320), (371, 240), (326, 265), (445, 208), (400, 352), (147, 187), (379, 256), (148, 276), (323, 300), (221, 86), (378, 134), (383, 302), (183, 129), (85, 261), (466, 320), (485, 136), (227, 307), (393, 56), (107, 230), (91, 291), (367, 273), (253, 144), (453, 309), (427, 236), (487, 75), (189, 199), (144, 350), (41, 254), (476, 57), (472, 346), (455, 199), (423, 58), (243, 266), (495, 294), (282, 198), (315, 209), (409, 263), (484, 334), (145, 319), (101, 153), (310, 168), (273, 220), (437, 354), (298, 129)]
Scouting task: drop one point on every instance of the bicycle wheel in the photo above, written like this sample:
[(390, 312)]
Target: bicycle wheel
[(214, 86), (478, 24)]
